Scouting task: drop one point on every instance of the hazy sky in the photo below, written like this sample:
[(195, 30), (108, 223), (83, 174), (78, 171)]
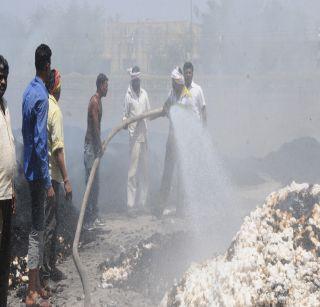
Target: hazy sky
[(264, 87), (127, 10)]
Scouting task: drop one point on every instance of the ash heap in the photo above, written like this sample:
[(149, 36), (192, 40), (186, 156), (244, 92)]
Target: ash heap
[(272, 261)]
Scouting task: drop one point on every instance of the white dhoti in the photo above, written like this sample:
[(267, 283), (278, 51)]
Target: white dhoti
[(137, 189)]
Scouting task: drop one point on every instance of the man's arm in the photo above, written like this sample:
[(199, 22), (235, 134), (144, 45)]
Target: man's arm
[(40, 141), (204, 116), (94, 113), (148, 103), (166, 106), (60, 158), (58, 150), (126, 109), (203, 108)]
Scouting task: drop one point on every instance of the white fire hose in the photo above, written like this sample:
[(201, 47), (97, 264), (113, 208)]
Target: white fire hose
[(81, 269)]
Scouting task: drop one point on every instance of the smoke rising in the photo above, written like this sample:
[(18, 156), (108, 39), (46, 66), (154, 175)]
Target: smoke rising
[(257, 62)]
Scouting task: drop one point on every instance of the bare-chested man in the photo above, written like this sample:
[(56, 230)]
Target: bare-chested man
[(93, 147)]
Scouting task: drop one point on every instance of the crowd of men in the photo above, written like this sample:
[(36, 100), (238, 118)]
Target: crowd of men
[(45, 167)]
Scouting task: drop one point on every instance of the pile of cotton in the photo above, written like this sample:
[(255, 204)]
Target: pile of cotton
[(18, 272), (273, 259)]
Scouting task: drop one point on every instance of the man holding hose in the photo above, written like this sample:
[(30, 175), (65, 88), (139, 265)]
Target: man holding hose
[(179, 95), (93, 149)]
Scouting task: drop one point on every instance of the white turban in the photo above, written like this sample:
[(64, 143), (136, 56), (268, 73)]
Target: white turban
[(177, 76), (134, 75)]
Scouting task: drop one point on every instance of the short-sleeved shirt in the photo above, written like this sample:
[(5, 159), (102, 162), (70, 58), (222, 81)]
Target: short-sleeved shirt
[(135, 105), (7, 154), (197, 98), (55, 137)]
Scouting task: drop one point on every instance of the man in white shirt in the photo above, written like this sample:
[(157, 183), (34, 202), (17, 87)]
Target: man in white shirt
[(7, 169), (179, 95), (199, 104), (137, 102)]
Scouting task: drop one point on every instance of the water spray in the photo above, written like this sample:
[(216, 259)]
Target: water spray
[(81, 269)]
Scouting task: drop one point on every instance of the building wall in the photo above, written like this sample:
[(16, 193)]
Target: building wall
[(154, 46)]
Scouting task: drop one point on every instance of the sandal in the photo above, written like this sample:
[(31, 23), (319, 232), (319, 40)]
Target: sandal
[(44, 293), (34, 299)]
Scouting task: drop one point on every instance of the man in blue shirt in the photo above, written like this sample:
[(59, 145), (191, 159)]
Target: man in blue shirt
[(36, 165)]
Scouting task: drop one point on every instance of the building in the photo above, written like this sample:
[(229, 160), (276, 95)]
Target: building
[(155, 46)]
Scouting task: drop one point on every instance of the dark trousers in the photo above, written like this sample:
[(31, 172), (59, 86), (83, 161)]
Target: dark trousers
[(5, 234), (91, 212), (50, 232)]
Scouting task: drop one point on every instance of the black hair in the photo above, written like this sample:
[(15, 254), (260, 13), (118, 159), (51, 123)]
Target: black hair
[(187, 65), (135, 69), (50, 83), (100, 79), (42, 57), (4, 64)]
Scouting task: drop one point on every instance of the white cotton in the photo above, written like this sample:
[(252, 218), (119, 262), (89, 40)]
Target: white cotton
[(274, 258)]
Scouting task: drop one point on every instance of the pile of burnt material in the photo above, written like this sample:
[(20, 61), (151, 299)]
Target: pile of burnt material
[(68, 216), (148, 267), (272, 261), (18, 269)]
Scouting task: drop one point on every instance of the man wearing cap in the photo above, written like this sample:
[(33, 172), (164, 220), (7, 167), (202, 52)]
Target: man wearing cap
[(136, 102), (59, 175), (179, 95)]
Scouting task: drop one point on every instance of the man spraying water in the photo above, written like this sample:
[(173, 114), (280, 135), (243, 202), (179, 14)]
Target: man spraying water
[(181, 96)]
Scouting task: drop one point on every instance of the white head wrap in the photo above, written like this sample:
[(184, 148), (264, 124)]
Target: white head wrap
[(134, 75), (177, 76)]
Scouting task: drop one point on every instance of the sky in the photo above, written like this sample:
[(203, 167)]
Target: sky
[(264, 87), (126, 10)]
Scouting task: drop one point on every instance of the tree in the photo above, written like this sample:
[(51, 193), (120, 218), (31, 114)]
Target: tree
[(76, 35)]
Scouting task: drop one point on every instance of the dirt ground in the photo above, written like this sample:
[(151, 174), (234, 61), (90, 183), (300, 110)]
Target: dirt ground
[(120, 234), (152, 270)]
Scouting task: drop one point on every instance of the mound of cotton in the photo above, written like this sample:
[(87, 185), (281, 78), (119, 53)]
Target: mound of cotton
[(273, 259)]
